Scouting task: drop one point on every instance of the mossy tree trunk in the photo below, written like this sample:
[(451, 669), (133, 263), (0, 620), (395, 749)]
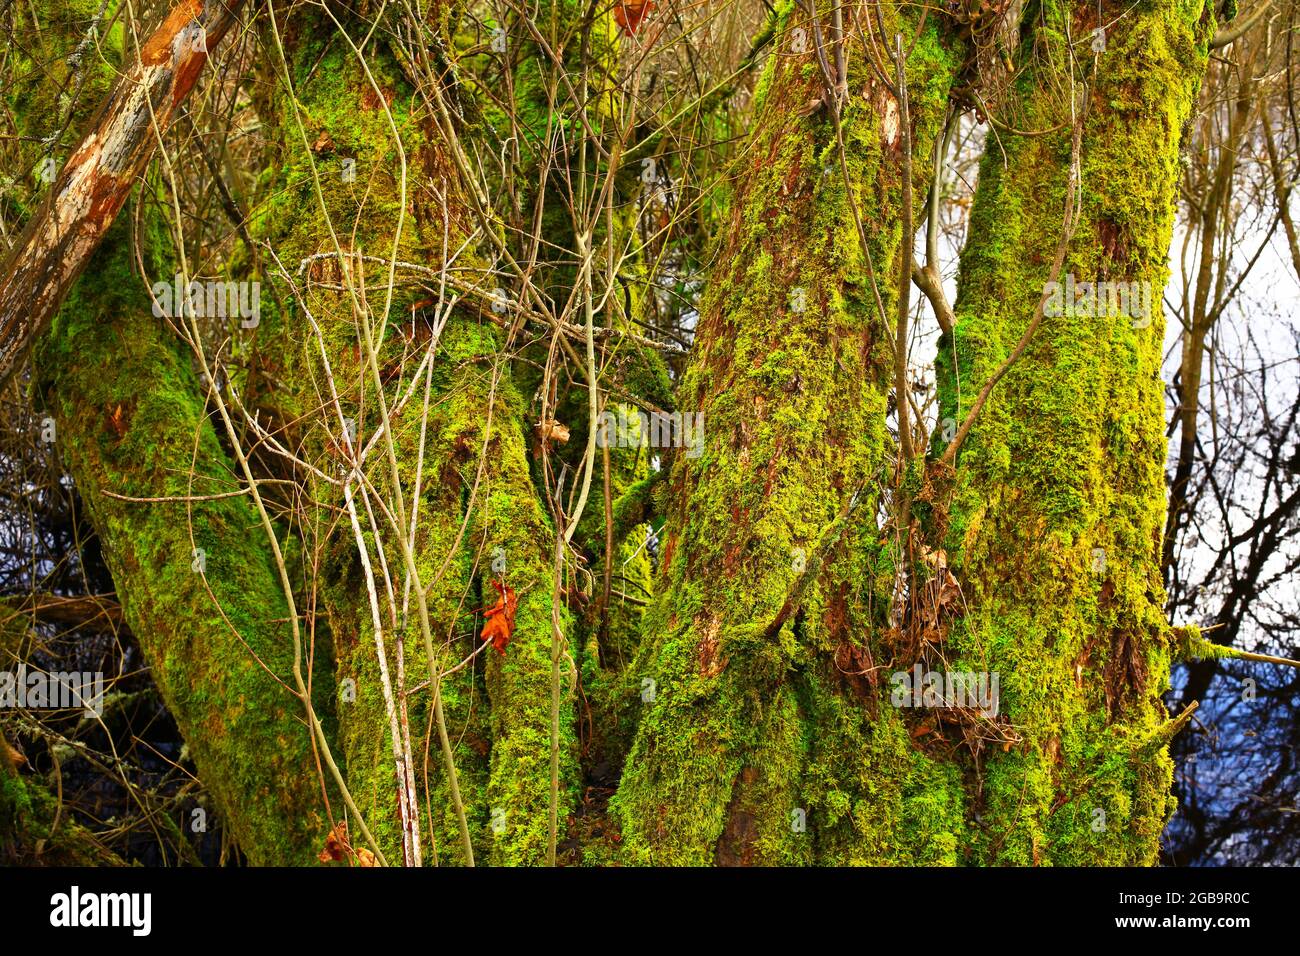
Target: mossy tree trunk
[(195, 578), (477, 514), (764, 741), (1058, 503)]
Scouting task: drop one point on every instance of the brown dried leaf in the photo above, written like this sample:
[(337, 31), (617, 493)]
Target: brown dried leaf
[(557, 433), (500, 626), (12, 755), (117, 421), (628, 14), (336, 844)]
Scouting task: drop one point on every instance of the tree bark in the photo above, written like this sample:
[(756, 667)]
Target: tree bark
[(1055, 519), (97, 179), (764, 741), (468, 459)]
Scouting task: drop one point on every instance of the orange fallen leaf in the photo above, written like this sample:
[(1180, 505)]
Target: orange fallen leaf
[(338, 848), (13, 756), (500, 624), (117, 421), (336, 844), (628, 14)]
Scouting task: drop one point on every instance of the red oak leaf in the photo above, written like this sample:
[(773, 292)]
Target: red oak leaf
[(500, 624)]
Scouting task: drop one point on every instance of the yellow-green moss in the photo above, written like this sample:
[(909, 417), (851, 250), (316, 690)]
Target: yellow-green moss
[(1058, 505), (744, 731)]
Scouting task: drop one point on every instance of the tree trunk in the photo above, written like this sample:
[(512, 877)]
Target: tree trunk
[(764, 741), (1054, 526), (464, 512), (195, 579)]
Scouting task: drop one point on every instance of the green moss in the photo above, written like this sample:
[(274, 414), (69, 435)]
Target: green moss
[(790, 370), (216, 638), (497, 707), (36, 831), (1058, 505)]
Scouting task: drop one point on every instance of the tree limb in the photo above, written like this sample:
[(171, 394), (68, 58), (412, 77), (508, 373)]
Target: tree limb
[(98, 178)]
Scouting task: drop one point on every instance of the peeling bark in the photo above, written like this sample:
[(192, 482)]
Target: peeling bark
[(97, 179)]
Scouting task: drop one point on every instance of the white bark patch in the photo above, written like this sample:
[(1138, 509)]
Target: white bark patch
[(887, 107)]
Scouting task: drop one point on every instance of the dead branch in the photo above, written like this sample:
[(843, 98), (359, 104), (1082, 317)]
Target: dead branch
[(98, 178)]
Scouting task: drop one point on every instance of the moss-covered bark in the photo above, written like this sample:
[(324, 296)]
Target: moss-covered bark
[(469, 457), (195, 581), (132, 422), (758, 746), (36, 831), (1058, 503)]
